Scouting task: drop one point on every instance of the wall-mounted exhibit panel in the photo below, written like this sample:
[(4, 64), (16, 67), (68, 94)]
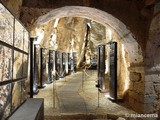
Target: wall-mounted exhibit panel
[(43, 78), (5, 63), (113, 71), (6, 25), (5, 101), (17, 65)]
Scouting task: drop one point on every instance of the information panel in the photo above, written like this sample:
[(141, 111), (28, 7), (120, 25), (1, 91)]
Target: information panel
[(74, 61), (69, 63), (50, 65), (43, 67), (63, 65), (57, 64), (101, 68), (113, 71)]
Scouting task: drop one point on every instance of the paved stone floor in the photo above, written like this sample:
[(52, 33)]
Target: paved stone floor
[(76, 95)]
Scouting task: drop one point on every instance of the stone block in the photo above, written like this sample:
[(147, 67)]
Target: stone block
[(152, 77), (150, 98), (138, 107), (148, 108), (134, 76), (139, 69), (131, 101), (131, 85), (149, 88), (139, 98), (157, 88), (131, 94), (139, 87)]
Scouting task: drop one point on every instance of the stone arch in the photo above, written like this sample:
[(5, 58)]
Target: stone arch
[(131, 46), (152, 64)]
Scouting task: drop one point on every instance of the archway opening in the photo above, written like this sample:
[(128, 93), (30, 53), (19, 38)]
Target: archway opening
[(130, 57)]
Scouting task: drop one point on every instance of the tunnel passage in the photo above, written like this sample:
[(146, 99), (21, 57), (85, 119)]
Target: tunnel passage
[(132, 54)]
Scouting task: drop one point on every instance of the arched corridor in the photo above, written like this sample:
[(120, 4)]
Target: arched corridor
[(88, 59)]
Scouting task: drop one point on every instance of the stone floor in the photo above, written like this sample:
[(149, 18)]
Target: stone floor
[(76, 97)]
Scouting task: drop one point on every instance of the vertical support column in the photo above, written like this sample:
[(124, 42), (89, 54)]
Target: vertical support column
[(113, 71)]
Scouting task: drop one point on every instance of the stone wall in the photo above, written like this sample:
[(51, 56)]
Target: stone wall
[(136, 87), (152, 62)]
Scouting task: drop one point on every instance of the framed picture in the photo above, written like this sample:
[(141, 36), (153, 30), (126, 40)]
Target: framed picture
[(23, 91), (6, 25), (26, 40), (5, 63), (18, 33), (17, 65), (16, 95), (5, 101), (25, 65)]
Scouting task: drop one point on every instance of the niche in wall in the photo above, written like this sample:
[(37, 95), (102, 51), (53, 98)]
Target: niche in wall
[(14, 45)]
